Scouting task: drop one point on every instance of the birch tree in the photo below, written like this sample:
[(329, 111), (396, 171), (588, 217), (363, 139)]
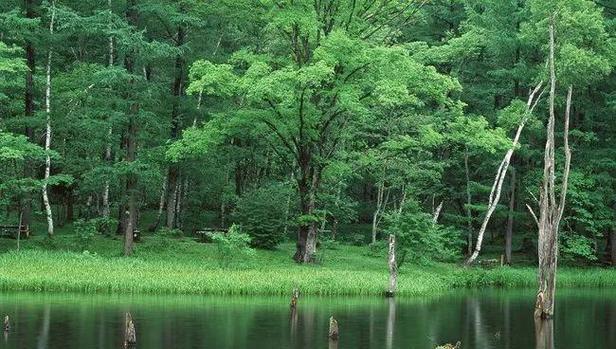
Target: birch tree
[(48, 128), (501, 173)]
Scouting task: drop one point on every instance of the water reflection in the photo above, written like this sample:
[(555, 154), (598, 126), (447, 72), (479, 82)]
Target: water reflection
[(544, 334), (391, 319), (482, 320)]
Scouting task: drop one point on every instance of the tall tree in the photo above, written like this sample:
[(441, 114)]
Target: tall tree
[(551, 209), (341, 71), (48, 127), (131, 141)]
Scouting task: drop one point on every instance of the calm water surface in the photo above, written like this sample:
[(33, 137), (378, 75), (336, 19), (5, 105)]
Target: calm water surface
[(479, 319)]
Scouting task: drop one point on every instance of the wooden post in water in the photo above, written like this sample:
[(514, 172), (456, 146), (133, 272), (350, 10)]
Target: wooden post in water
[(7, 324), (294, 298), (393, 267), (130, 336), (333, 329)]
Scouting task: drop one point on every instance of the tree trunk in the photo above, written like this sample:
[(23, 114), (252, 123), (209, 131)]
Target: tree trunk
[(172, 194), (70, 204), (106, 206), (509, 232), (381, 201), (176, 91), (131, 186), (48, 129), (437, 212), (307, 234), (131, 146), (161, 207), (308, 180), (497, 186), (550, 211), (375, 215), (469, 215), (29, 110), (613, 246), (393, 267)]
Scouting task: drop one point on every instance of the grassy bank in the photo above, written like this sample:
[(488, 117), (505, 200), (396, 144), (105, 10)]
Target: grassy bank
[(182, 266)]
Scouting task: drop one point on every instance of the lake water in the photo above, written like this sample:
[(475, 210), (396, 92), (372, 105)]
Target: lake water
[(479, 319)]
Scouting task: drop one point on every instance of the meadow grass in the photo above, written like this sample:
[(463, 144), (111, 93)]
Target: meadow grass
[(162, 265)]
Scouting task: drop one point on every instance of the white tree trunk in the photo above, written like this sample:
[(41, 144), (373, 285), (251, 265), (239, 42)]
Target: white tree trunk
[(495, 193), (48, 129), (437, 213), (393, 267), (106, 205), (381, 202)]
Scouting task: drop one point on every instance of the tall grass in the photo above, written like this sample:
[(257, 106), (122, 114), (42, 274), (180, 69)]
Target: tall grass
[(187, 267)]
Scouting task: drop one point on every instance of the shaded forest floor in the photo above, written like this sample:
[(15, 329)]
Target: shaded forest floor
[(167, 265)]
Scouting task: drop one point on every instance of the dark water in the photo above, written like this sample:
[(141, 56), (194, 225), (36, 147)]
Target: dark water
[(479, 319)]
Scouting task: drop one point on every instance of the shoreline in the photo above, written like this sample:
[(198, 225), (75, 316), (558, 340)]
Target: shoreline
[(53, 271)]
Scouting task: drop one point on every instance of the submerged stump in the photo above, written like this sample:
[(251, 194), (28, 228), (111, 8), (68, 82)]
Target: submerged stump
[(7, 324), (393, 267), (130, 335), (333, 329), (450, 346), (294, 298)]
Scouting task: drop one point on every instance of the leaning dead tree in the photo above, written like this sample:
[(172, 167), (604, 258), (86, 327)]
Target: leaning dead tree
[(550, 208), (497, 186)]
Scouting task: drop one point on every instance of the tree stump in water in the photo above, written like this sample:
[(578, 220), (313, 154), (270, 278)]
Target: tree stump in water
[(450, 346), (130, 336), (539, 305), (294, 298), (393, 267), (333, 329), (7, 324)]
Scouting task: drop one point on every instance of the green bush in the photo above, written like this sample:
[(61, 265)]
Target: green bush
[(418, 239), (377, 249), (86, 230), (170, 233), (357, 239), (104, 225), (231, 246), (575, 248), (263, 214)]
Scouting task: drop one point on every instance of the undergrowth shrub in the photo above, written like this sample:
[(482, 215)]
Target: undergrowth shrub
[(231, 246), (85, 230), (419, 240), (263, 214)]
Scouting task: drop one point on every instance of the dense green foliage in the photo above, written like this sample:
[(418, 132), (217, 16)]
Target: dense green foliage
[(294, 119)]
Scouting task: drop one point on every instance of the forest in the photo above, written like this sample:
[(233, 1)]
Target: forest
[(308, 122), (334, 147)]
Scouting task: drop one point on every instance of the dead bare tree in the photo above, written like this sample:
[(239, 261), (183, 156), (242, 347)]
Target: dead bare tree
[(551, 211), (495, 193)]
